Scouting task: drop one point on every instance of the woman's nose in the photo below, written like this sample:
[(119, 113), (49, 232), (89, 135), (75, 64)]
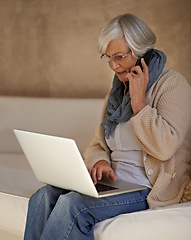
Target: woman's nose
[(113, 65)]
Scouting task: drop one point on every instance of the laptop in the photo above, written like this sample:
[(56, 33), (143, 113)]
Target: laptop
[(57, 161)]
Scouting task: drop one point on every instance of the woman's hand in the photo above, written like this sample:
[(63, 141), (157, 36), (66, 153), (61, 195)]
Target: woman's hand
[(137, 86), (102, 168)]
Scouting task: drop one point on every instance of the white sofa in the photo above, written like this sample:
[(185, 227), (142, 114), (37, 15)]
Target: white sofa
[(77, 119)]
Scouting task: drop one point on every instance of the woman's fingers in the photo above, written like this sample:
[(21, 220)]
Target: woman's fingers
[(145, 67), (92, 172), (100, 169), (112, 176)]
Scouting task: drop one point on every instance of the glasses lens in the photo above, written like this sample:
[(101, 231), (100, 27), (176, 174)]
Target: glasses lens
[(105, 58), (118, 59)]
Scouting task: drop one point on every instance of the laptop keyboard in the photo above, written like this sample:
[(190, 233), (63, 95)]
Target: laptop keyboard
[(103, 188)]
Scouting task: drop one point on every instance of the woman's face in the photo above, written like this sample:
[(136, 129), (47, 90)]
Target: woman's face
[(119, 47)]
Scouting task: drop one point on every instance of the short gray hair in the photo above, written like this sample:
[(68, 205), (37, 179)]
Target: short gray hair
[(140, 38)]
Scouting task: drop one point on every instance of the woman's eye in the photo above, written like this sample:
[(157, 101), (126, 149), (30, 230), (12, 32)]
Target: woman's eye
[(118, 58)]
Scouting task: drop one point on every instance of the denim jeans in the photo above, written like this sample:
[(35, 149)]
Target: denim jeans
[(54, 213)]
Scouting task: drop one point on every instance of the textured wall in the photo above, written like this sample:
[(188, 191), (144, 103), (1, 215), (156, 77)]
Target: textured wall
[(49, 47)]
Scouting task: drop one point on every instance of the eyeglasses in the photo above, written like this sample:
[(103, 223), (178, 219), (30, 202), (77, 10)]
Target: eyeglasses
[(116, 58)]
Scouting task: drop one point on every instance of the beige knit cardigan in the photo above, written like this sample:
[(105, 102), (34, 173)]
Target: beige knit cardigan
[(163, 130)]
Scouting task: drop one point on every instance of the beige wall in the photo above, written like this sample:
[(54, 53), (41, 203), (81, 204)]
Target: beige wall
[(49, 47)]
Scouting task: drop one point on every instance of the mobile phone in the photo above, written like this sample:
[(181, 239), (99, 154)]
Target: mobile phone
[(147, 57)]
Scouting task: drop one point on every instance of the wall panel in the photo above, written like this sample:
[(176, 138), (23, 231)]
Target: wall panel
[(48, 48)]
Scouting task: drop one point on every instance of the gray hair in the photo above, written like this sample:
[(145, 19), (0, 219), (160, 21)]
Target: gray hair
[(140, 38)]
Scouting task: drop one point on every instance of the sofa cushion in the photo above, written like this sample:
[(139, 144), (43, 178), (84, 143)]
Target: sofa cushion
[(168, 223), (7, 234), (60, 117), (16, 176)]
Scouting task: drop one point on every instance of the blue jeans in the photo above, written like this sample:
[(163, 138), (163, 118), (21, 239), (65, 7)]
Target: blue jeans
[(59, 214)]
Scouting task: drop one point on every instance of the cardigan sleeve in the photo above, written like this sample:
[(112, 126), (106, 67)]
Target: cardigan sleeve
[(162, 127)]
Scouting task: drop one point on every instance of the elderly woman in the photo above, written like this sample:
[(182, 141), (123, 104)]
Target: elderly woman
[(142, 138)]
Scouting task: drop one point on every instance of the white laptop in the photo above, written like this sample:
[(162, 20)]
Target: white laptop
[(57, 161)]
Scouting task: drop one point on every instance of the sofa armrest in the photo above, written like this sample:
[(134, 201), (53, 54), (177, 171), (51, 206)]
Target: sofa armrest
[(13, 211)]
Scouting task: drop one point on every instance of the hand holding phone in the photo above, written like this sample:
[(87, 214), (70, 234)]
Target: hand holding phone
[(147, 57), (138, 80)]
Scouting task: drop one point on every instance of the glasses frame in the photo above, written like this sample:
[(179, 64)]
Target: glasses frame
[(107, 59)]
